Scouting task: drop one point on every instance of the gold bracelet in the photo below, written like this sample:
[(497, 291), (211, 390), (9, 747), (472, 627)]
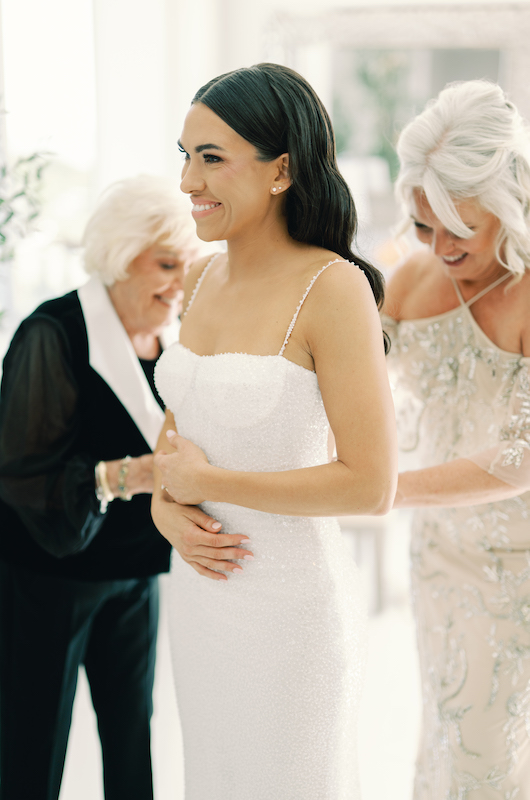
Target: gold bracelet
[(103, 491), (123, 494)]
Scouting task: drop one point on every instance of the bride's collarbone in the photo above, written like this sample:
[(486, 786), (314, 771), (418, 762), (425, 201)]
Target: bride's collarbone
[(261, 320), (252, 318), (256, 334), (251, 340)]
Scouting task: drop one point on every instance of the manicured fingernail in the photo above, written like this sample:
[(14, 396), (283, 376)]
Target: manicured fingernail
[(244, 541), (216, 526), (237, 569), (171, 433), (248, 558)]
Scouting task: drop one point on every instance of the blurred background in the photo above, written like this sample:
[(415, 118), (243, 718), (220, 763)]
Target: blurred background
[(96, 90)]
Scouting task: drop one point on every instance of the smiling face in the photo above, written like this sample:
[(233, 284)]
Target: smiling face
[(151, 296), (234, 194), (466, 259)]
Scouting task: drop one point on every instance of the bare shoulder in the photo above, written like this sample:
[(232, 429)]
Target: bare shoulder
[(521, 287), (407, 279), (333, 272), (197, 268), (520, 299), (193, 275), (340, 321), (339, 286), (338, 314), (341, 292)]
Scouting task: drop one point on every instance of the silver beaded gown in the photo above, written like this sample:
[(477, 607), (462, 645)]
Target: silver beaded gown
[(458, 395), (268, 666)]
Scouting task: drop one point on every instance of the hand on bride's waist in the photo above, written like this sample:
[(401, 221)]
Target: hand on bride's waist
[(198, 539), (184, 470)]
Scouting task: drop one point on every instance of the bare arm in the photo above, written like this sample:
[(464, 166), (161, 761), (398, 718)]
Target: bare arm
[(456, 483), (343, 332), (494, 474), (190, 531)]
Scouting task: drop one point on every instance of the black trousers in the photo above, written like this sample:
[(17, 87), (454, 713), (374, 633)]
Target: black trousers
[(48, 627)]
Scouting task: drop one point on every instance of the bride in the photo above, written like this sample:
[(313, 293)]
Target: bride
[(280, 342)]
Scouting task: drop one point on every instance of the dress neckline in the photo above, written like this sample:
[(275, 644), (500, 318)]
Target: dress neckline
[(478, 295), (461, 304), (473, 321), (465, 307), (291, 325), (247, 355)]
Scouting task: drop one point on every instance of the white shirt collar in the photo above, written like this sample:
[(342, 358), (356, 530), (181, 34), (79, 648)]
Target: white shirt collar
[(112, 356)]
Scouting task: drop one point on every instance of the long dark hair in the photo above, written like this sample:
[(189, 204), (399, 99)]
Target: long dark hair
[(277, 111)]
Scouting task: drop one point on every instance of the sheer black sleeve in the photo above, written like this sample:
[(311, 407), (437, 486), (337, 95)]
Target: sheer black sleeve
[(48, 483)]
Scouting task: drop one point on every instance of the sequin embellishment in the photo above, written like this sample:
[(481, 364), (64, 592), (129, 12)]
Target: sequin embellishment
[(269, 665), (457, 394)]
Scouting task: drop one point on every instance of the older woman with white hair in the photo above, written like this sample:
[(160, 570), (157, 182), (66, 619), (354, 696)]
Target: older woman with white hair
[(459, 319), (79, 554)]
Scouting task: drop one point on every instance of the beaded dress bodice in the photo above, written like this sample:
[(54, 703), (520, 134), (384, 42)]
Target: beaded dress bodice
[(256, 399), (458, 395), (453, 387), (268, 665)]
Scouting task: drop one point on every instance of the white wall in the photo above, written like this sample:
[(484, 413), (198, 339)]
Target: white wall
[(149, 57), (129, 42), (49, 81)]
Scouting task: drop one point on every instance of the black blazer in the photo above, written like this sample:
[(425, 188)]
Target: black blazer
[(58, 418)]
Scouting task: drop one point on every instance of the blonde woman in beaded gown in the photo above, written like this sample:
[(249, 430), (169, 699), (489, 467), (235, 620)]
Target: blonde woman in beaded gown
[(280, 340), (459, 321)]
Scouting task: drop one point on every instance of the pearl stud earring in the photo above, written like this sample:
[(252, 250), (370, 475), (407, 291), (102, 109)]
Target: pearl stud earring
[(274, 188)]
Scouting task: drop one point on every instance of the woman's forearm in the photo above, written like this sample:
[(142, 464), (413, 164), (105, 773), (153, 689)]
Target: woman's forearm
[(456, 483), (326, 490)]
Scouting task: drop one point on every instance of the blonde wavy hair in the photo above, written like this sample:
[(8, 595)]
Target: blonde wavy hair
[(471, 143)]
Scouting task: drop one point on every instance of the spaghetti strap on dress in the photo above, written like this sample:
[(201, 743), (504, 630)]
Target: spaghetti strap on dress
[(301, 303), (268, 665), (199, 283), (468, 303)]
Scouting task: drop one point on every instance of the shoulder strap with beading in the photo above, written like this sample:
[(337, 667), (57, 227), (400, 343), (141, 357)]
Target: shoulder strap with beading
[(198, 284), (301, 303)]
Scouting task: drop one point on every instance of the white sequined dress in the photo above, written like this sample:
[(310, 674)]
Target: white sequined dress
[(459, 396), (268, 666)]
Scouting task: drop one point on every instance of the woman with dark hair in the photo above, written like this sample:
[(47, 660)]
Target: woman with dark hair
[(280, 335)]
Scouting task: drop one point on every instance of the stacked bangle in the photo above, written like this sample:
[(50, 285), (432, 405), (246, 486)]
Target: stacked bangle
[(103, 492), (123, 494)]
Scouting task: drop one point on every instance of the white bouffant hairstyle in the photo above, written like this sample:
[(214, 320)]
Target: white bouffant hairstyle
[(131, 216), (471, 143)]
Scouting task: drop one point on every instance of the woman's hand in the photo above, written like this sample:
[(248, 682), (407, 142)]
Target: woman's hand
[(182, 470), (193, 534), (196, 538), (139, 475)]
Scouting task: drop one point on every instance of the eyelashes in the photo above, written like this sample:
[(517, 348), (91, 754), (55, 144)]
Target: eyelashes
[(209, 158), (421, 228)]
